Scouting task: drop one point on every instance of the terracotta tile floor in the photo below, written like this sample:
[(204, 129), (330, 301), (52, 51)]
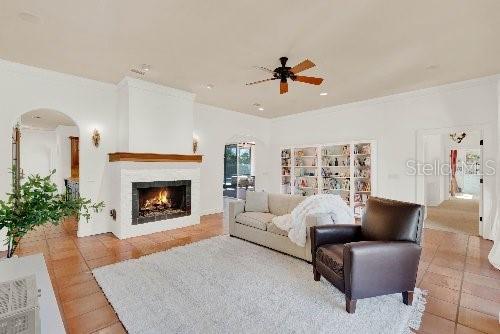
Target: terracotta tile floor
[(464, 289)]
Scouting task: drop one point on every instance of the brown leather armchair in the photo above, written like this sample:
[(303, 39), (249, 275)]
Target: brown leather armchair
[(378, 257)]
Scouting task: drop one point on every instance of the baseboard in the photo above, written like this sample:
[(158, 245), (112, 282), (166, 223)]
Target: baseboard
[(211, 212)]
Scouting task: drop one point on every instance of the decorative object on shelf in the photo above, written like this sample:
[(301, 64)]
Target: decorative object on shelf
[(457, 137), (96, 138)]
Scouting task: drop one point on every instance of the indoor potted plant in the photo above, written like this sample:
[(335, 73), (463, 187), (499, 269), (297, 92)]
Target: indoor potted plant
[(36, 202)]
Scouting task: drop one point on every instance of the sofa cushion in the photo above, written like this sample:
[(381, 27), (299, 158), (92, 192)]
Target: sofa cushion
[(333, 257), (256, 201), (293, 201), (272, 228), (255, 219), (278, 204)]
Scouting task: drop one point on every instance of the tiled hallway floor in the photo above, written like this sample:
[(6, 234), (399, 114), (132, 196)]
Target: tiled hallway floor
[(464, 289)]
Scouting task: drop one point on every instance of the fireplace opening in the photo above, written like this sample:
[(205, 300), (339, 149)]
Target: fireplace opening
[(160, 200)]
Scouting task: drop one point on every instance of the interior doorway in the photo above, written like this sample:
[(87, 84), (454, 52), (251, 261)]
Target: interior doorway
[(48, 143), (453, 191), (239, 169)]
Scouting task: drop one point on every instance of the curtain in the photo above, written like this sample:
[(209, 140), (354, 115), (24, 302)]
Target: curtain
[(453, 165)]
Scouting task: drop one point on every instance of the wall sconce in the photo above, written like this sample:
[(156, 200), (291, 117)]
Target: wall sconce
[(96, 138), (195, 145)]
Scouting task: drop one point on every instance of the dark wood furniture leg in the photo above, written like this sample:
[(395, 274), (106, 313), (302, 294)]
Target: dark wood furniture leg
[(350, 305), (408, 297)]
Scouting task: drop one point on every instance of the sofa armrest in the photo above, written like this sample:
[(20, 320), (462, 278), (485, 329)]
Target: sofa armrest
[(235, 208), (373, 268)]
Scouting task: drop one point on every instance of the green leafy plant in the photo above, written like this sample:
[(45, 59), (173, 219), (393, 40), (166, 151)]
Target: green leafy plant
[(36, 202)]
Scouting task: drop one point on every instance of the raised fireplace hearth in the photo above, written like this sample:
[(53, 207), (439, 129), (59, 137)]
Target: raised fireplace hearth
[(160, 200)]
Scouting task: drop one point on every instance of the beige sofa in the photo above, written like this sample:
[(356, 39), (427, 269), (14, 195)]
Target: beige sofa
[(258, 228)]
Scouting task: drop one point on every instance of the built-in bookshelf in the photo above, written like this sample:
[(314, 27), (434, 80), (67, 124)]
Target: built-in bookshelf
[(286, 171), (305, 170), (362, 163), (344, 169), (336, 171)]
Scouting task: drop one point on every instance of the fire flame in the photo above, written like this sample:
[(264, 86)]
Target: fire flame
[(161, 199)]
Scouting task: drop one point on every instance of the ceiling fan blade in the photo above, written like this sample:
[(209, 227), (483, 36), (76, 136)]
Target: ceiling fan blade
[(264, 69), (309, 80), (256, 82), (306, 64), (283, 87)]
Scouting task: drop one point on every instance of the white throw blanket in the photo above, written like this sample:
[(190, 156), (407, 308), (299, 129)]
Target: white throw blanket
[(295, 223)]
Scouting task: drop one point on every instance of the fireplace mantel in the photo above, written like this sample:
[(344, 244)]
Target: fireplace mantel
[(153, 157)]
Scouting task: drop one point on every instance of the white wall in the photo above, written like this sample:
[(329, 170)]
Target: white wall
[(216, 127), (153, 118), (44, 150), (434, 184), (38, 151), (394, 122)]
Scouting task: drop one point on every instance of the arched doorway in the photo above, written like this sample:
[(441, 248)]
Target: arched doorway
[(49, 143)]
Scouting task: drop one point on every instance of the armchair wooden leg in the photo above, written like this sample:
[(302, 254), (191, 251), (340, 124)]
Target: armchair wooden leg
[(408, 297), (317, 275), (350, 305)]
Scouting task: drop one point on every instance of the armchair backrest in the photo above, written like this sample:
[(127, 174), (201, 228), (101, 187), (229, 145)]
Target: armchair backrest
[(390, 220)]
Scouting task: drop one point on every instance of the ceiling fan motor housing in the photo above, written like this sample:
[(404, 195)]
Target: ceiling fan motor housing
[(283, 72)]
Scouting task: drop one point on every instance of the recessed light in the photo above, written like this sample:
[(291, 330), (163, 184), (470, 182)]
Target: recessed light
[(261, 109), (323, 94), (209, 86), (28, 17)]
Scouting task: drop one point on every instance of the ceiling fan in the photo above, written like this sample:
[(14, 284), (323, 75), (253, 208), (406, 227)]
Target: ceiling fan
[(285, 72)]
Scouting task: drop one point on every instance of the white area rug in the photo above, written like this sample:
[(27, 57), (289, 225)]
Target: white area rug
[(226, 285)]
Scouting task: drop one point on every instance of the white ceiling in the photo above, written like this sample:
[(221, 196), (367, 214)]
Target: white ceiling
[(45, 119), (363, 48)]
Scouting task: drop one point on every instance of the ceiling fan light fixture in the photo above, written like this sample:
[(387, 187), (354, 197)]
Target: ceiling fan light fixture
[(323, 94), (261, 109), (209, 86)]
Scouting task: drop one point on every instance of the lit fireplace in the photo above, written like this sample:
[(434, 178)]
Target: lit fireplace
[(160, 200)]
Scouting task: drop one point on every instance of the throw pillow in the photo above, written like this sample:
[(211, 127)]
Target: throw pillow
[(257, 201)]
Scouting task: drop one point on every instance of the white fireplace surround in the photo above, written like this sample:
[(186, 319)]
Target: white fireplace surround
[(123, 174)]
